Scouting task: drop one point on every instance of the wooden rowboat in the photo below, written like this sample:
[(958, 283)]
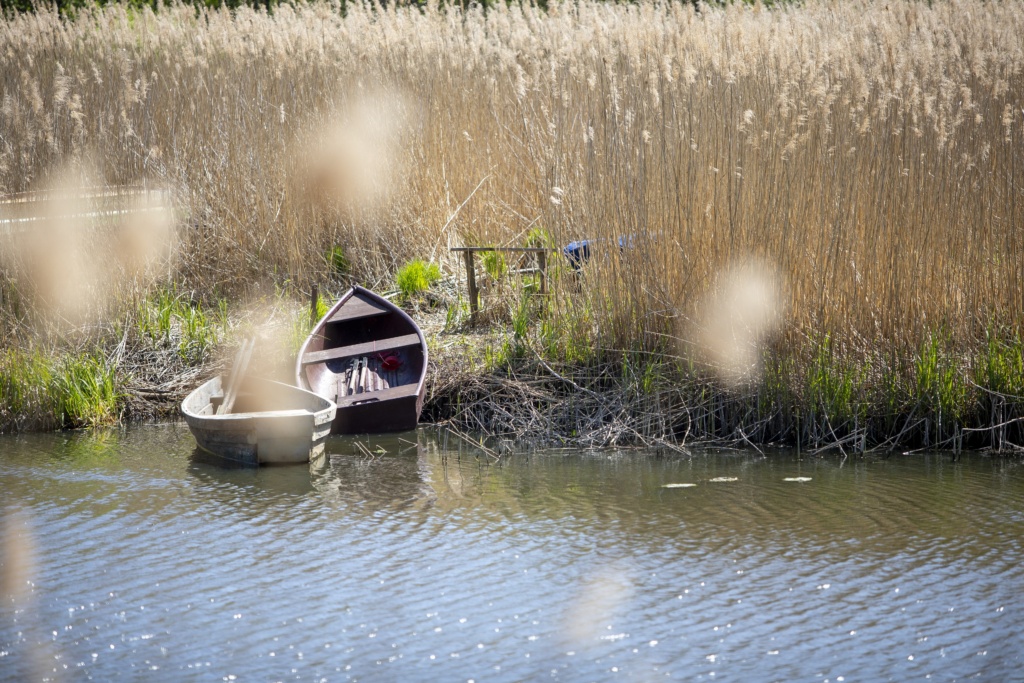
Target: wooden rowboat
[(269, 423), (370, 358)]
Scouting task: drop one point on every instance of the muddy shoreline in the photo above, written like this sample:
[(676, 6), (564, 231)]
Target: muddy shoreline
[(530, 400)]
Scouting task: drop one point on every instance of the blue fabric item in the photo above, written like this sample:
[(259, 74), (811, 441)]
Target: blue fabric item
[(577, 253)]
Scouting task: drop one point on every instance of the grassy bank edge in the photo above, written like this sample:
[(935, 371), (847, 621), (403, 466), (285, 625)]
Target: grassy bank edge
[(815, 399), (513, 379), (39, 391)]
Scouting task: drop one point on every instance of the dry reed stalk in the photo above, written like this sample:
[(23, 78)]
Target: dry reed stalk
[(870, 152)]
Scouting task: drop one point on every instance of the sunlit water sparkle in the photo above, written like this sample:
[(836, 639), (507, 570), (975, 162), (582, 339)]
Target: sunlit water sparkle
[(426, 563)]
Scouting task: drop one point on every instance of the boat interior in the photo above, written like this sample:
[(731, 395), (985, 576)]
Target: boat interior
[(364, 352), (254, 396)]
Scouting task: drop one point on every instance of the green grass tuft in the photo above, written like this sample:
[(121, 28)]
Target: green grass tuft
[(45, 392), (171, 319), (416, 276)]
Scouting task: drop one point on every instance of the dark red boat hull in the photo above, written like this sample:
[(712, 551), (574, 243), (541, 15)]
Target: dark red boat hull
[(370, 358)]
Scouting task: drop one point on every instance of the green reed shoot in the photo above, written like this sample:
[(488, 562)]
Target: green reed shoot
[(41, 391), (416, 277)]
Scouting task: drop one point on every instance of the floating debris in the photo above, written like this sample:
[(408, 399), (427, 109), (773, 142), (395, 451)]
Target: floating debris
[(719, 479), (797, 479), (677, 486)]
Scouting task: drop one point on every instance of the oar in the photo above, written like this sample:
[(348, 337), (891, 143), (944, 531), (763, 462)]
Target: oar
[(238, 369), (354, 381), (362, 377)]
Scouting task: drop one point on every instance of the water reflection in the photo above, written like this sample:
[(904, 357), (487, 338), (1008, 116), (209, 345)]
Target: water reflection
[(223, 478), (735, 496), (370, 474), (406, 558)]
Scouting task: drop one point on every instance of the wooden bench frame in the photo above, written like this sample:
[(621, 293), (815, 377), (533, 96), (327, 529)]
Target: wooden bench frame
[(474, 292)]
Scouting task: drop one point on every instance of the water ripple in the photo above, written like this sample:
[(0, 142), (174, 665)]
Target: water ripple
[(415, 563)]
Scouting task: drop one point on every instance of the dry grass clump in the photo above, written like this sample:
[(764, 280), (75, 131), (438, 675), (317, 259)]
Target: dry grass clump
[(867, 152)]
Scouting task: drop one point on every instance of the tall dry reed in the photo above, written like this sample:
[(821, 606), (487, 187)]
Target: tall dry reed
[(869, 154)]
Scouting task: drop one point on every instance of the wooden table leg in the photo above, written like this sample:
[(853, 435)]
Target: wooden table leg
[(542, 262), (471, 285), (314, 298)]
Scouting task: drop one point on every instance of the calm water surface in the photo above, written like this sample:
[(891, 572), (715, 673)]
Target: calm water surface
[(126, 556)]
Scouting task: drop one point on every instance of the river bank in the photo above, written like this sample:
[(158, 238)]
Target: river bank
[(498, 379)]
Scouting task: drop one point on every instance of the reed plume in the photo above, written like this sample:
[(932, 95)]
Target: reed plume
[(868, 151)]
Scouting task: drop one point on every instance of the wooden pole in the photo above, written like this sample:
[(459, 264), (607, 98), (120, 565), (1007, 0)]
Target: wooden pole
[(542, 263), (471, 285), (314, 299)]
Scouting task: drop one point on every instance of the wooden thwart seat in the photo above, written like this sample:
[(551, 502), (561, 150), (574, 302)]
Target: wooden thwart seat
[(356, 308), (378, 346), (379, 395)]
